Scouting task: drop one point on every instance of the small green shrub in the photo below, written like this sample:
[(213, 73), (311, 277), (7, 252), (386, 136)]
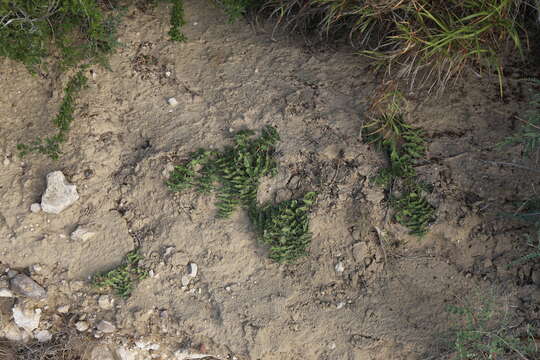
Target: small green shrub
[(487, 330), (177, 21), (50, 146), (414, 211), (285, 227), (238, 169), (121, 280), (234, 174), (405, 146), (77, 30)]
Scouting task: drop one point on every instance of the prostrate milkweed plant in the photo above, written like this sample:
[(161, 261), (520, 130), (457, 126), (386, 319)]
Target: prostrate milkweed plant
[(234, 174), (405, 146), (51, 145)]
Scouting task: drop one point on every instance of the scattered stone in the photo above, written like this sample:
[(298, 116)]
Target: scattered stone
[(172, 101), (59, 194), (168, 251), (106, 327), (26, 318), (11, 273), (35, 208), (6, 293), (185, 280), (81, 326), (192, 270), (43, 336), (25, 286), (340, 267), (340, 305), (145, 345), (82, 234), (64, 309), (6, 162), (101, 353), (106, 302), (36, 268)]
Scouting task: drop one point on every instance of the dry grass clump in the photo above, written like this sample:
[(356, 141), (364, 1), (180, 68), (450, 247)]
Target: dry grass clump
[(427, 42), (63, 346)]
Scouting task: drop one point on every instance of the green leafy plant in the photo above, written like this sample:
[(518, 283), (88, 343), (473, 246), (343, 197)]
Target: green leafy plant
[(405, 146), (236, 8), (177, 21), (486, 330), (285, 227), (238, 169), (51, 145), (234, 174), (77, 30), (414, 211), (121, 280)]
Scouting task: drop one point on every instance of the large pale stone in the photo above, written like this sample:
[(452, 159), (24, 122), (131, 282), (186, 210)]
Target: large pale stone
[(25, 318), (59, 193), (25, 286)]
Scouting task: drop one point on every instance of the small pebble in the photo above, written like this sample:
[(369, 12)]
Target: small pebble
[(6, 293), (81, 326), (340, 267), (340, 305), (6, 162), (185, 280), (106, 302), (43, 336), (106, 327), (64, 309), (172, 102), (192, 270), (35, 208)]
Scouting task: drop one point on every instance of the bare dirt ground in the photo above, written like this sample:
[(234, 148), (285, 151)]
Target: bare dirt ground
[(388, 302)]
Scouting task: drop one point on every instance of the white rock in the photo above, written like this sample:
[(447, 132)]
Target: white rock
[(192, 270), (27, 319), (43, 336), (81, 326), (6, 162), (59, 194), (185, 280), (340, 305), (106, 302), (106, 327), (340, 267), (64, 309), (6, 293), (35, 207), (82, 234), (36, 268), (145, 345), (25, 286), (172, 101)]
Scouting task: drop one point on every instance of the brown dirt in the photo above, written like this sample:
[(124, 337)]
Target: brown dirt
[(394, 289)]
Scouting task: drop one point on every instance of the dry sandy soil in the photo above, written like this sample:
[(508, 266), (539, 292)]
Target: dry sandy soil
[(390, 300)]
